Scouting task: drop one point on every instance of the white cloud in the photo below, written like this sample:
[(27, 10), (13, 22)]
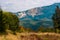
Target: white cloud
[(20, 5)]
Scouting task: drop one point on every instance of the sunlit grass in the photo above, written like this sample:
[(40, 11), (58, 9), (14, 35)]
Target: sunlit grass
[(35, 36)]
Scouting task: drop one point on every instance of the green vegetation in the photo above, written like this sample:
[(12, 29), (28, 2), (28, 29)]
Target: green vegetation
[(48, 29), (2, 22), (56, 20), (8, 21)]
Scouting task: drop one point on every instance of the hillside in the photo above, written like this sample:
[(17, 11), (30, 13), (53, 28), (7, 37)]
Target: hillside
[(36, 17)]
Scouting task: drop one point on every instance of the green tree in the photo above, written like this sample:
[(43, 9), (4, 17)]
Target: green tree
[(2, 28), (8, 21), (56, 19), (12, 21), (14, 24)]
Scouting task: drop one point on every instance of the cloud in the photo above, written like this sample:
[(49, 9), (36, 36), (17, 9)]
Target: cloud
[(20, 5)]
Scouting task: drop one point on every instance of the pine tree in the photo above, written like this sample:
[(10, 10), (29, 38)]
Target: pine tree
[(56, 19), (2, 29)]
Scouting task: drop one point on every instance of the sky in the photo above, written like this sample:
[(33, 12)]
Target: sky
[(22, 5)]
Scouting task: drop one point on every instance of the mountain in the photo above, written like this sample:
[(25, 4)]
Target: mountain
[(36, 17)]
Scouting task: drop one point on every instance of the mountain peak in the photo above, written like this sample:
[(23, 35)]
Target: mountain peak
[(35, 17)]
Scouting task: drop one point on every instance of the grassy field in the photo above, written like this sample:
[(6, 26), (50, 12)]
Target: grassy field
[(31, 36)]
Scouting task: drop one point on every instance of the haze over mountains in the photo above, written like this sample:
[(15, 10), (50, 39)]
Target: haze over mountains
[(36, 17), (21, 5)]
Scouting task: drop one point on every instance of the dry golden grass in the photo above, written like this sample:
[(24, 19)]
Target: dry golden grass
[(31, 36)]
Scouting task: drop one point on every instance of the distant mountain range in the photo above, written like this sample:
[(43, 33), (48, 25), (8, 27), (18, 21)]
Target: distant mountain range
[(36, 17)]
